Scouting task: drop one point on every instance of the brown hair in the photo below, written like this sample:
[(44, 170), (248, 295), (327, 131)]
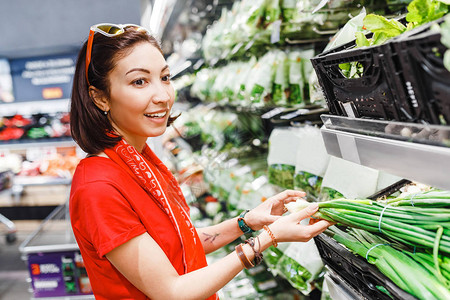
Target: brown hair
[(89, 126)]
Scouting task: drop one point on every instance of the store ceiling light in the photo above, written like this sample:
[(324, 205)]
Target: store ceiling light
[(156, 17)]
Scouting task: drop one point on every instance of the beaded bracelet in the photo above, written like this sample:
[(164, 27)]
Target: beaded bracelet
[(274, 240), (243, 258)]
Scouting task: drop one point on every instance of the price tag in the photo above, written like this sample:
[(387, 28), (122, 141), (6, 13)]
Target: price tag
[(4, 152), (299, 112), (259, 182), (349, 109), (275, 36), (349, 150), (320, 5), (236, 48), (242, 171), (273, 112)]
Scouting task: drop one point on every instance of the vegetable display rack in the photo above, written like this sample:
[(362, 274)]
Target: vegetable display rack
[(422, 75), (403, 79), (363, 277), (367, 96)]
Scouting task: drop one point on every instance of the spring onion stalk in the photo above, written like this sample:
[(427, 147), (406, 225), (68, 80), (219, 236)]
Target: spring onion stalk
[(407, 273), (420, 220)]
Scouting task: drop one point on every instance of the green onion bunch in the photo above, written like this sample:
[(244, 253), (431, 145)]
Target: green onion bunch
[(421, 220), (413, 272)]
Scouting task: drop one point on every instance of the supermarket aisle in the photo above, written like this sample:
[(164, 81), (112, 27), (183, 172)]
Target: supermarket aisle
[(13, 270)]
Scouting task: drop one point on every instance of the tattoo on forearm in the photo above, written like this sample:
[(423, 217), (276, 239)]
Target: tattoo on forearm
[(210, 237)]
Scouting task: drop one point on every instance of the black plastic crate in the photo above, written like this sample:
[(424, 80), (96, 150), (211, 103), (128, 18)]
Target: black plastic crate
[(372, 95), (421, 73), (357, 272)]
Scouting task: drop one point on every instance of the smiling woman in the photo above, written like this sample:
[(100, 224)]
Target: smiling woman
[(127, 211), (141, 95)]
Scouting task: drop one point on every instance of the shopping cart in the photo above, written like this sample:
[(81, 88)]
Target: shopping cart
[(5, 184), (11, 229)]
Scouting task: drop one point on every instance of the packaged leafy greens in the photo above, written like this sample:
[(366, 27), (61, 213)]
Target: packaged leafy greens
[(272, 11), (282, 175), (315, 90), (288, 9), (203, 83), (256, 10), (255, 192), (283, 144), (307, 69), (296, 81), (280, 84), (241, 80), (300, 264), (311, 161), (260, 82)]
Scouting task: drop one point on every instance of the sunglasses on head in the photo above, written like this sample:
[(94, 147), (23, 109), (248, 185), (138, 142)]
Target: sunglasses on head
[(108, 30)]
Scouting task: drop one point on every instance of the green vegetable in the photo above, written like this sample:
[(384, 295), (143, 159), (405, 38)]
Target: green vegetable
[(271, 257), (361, 40), (282, 175), (272, 11), (424, 11), (417, 223), (445, 40), (293, 272), (308, 182), (329, 193), (419, 12), (382, 28), (296, 81), (280, 83), (398, 265)]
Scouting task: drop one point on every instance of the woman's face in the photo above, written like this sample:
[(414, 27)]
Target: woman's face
[(141, 95)]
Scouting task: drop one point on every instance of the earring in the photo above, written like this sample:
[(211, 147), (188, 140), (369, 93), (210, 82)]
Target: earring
[(105, 112)]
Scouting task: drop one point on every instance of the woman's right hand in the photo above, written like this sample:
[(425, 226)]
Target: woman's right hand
[(289, 229)]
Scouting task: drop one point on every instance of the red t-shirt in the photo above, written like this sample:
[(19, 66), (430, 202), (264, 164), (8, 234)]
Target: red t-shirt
[(108, 208)]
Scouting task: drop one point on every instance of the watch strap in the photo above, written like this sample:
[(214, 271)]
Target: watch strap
[(242, 225)]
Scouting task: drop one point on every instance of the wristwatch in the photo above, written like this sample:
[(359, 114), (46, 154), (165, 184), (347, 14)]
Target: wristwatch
[(242, 225)]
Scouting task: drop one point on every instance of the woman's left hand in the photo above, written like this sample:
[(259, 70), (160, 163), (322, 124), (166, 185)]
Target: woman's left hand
[(270, 210)]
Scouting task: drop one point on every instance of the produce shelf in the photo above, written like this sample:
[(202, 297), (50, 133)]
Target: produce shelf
[(35, 107), (418, 152), (49, 142)]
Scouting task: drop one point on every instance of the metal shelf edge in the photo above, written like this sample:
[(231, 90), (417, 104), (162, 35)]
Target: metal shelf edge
[(49, 248), (417, 162)]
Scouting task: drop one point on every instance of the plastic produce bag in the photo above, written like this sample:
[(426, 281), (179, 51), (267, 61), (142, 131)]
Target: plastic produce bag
[(300, 264), (347, 33), (280, 84), (261, 79), (255, 192), (288, 8), (347, 179), (283, 144), (272, 11), (311, 161), (296, 81), (240, 84), (307, 70)]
